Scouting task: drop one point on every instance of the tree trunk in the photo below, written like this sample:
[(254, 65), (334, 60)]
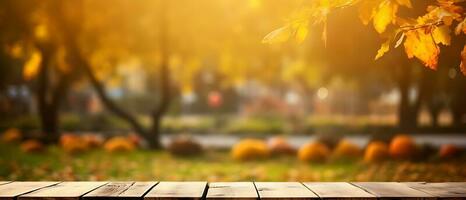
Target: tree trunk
[(164, 81), (50, 121), (109, 103), (159, 112), (434, 115), (48, 113), (405, 112), (457, 102), (83, 65)]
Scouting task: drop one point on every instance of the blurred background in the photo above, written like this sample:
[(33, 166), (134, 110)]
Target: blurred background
[(185, 90)]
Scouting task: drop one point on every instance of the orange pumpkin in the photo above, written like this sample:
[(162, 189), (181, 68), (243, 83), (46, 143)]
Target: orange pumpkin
[(448, 151), (249, 149), (314, 152), (12, 135), (279, 146), (119, 144), (346, 149), (32, 146), (402, 147), (376, 151), (72, 143)]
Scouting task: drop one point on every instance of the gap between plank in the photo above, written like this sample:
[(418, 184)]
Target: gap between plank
[(310, 189), (257, 191)]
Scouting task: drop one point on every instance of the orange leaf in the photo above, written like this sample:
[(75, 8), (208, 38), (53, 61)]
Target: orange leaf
[(421, 45), (32, 66), (441, 35), (383, 49), (463, 61), (461, 27), (406, 3), (385, 14), (367, 10)]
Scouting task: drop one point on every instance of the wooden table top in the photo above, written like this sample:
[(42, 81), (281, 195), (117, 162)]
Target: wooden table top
[(154, 190)]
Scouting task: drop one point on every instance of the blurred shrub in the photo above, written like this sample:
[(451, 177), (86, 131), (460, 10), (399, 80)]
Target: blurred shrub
[(249, 149), (119, 144), (449, 151), (346, 149), (314, 152), (330, 140), (255, 126), (376, 151), (27, 122), (97, 122), (73, 122), (32, 146), (402, 147), (280, 146), (12, 135), (200, 125), (72, 143), (184, 146)]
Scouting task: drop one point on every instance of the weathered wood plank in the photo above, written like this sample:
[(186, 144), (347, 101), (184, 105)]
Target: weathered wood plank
[(392, 190), (451, 190), (137, 190), (338, 190), (11, 190), (232, 190), (62, 191), (4, 182), (108, 191), (284, 190), (177, 190)]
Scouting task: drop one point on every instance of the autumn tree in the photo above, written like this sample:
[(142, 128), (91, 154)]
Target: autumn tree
[(45, 64), (422, 34)]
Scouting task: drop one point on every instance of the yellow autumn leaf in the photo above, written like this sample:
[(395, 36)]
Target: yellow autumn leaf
[(441, 35), (421, 45), (278, 36), (463, 61), (342, 3), (384, 48), (32, 66), (406, 3), (367, 10), (301, 33), (385, 14), (41, 32)]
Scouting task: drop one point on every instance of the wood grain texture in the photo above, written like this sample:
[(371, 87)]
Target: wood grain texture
[(4, 182), (338, 190), (108, 191), (11, 190), (392, 190), (137, 190), (283, 190), (62, 191), (451, 190), (232, 190), (177, 190)]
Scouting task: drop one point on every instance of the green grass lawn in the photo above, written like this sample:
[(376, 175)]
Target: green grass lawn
[(54, 164)]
